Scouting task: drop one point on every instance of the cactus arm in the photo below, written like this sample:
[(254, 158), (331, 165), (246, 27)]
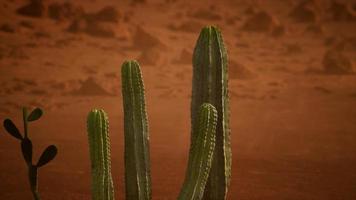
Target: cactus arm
[(200, 156), (210, 84), (137, 156), (99, 149)]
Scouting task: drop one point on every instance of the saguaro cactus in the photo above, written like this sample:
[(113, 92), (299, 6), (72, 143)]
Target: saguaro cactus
[(210, 84), (99, 147), (137, 156), (200, 157)]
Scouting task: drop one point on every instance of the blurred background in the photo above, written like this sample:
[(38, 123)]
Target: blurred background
[(292, 91)]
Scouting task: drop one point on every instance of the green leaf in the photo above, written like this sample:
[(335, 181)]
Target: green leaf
[(47, 155), (12, 129), (26, 148), (35, 115)]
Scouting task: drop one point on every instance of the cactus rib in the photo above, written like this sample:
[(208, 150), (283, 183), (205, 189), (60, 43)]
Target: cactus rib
[(137, 156), (99, 147), (201, 154), (210, 84)]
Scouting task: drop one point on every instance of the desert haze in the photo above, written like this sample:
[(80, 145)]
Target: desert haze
[(292, 88)]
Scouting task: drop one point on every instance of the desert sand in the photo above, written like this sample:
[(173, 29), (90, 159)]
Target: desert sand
[(292, 91)]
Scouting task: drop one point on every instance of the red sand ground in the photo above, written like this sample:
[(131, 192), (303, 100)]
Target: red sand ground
[(292, 120)]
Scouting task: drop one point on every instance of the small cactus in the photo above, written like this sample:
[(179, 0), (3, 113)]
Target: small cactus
[(137, 155), (210, 84), (99, 148), (26, 148), (201, 153)]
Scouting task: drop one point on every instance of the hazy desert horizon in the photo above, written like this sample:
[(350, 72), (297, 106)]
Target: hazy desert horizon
[(292, 91)]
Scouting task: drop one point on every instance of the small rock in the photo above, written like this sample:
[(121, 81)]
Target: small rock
[(26, 24), (34, 9), (7, 28)]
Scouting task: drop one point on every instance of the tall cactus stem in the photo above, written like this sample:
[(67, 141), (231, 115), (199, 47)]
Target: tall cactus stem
[(137, 156), (200, 155), (99, 148), (210, 84)]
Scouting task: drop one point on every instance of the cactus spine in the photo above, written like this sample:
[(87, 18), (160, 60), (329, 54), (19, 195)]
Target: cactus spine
[(210, 84), (99, 148), (137, 156), (201, 154)]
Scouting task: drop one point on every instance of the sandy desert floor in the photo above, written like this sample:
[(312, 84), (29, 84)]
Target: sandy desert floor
[(292, 91)]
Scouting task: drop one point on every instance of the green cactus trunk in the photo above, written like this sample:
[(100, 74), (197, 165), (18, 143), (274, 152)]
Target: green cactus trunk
[(137, 156), (201, 153), (210, 84), (99, 147)]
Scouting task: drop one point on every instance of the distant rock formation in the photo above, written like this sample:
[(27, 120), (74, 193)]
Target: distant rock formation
[(144, 40), (185, 57), (35, 8), (335, 62), (307, 11), (342, 11), (190, 26), (103, 23), (90, 87), (106, 14), (239, 71), (262, 21), (150, 56), (61, 11)]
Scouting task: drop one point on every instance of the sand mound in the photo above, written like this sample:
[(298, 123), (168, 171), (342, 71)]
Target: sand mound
[(239, 71), (261, 22), (144, 40), (190, 26), (35, 8), (205, 14), (60, 11), (90, 87), (185, 57), (334, 62), (150, 57), (306, 11), (342, 11)]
